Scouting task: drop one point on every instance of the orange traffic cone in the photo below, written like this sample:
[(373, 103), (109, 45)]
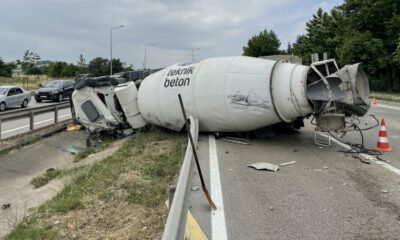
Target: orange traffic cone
[(383, 142), (374, 100)]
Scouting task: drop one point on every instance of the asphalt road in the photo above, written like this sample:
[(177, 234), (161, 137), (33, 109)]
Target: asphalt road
[(324, 195), (14, 127)]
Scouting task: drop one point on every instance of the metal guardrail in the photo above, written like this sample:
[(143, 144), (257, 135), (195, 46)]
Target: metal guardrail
[(176, 222), (30, 112)]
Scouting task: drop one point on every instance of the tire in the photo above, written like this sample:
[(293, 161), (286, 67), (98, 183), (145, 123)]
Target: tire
[(38, 100), (24, 103), (2, 107), (60, 97)]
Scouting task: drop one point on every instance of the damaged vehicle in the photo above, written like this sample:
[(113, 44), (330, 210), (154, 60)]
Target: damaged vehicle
[(226, 94)]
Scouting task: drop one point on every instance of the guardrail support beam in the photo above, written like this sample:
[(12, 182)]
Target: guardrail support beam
[(31, 121), (56, 114)]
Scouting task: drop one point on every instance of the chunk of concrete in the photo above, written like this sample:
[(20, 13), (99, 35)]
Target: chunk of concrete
[(264, 166)]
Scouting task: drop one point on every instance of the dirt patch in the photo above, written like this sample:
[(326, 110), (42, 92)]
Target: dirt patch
[(117, 219)]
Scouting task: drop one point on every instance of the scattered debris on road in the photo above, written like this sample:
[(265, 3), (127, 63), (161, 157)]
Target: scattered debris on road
[(73, 127), (6, 205), (73, 149), (264, 166), (384, 191), (195, 188), (287, 163), (236, 140)]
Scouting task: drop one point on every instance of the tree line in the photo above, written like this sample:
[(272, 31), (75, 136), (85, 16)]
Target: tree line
[(31, 65), (366, 31)]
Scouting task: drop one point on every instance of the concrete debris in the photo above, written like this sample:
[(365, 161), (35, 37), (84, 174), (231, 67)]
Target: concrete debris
[(384, 191), (73, 149), (237, 140), (287, 163), (195, 188), (325, 167), (6, 205), (271, 208), (264, 166)]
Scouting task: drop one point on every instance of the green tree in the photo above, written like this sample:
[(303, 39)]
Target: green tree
[(380, 20), (99, 66), (5, 69), (263, 44), (397, 54), (81, 62), (117, 65), (365, 31), (322, 35), (29, 60), (82, 65)]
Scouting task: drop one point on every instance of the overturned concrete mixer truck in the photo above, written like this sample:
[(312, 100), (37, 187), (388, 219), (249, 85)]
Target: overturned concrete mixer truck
[(226, 94)]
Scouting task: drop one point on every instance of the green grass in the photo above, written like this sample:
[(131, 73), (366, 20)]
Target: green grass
[(45, 178), (106, 142), (28, 230), (150, 159)]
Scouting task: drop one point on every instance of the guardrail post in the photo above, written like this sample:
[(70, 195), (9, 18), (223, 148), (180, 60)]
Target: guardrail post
[(56, 114), (0, 127), (31, 121)]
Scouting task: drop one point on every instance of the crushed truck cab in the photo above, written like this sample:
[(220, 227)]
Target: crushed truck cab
[(226, 94)]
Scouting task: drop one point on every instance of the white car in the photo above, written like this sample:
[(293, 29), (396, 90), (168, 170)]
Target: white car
[(12, 96)]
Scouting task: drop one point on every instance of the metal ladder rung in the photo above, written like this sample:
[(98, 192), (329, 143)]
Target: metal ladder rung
[(322, 139)]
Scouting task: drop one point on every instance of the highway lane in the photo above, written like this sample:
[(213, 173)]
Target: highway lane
[(14, 127), (32, 104), (324, 195)]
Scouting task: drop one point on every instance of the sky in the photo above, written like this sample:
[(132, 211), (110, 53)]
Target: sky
[(61, 30)]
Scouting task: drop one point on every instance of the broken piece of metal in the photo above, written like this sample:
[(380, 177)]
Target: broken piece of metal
[(287, 163), (264, 166), (237, 140)]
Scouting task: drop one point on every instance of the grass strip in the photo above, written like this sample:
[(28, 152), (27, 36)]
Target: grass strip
[(118, 197)]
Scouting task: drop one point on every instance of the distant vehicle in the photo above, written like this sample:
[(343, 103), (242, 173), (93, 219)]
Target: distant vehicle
[(12, 96), (55, 90)]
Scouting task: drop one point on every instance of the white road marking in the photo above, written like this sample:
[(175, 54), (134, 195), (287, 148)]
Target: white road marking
[(388, 106), (218, 226), (369, 157), (36, 123)]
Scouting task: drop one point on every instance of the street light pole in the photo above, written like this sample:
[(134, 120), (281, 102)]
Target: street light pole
[(192, 50), (145, 53), (111, 29)]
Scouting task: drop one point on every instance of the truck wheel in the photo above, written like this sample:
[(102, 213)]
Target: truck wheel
[(2, 107), (59, 97), (24, 103)]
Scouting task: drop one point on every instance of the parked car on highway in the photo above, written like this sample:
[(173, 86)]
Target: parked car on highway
[(12, 95), (55, 90)]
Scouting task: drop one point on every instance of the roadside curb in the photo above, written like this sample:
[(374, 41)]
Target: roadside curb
[(33, 139)]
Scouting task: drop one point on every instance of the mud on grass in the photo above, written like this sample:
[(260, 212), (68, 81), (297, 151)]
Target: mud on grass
[(120, 197)]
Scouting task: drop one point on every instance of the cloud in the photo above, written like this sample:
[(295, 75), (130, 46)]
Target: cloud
[(63, 29)]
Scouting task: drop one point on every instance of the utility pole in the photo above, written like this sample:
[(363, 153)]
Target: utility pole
[(192, 50), (111, 29), (145, 53)]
